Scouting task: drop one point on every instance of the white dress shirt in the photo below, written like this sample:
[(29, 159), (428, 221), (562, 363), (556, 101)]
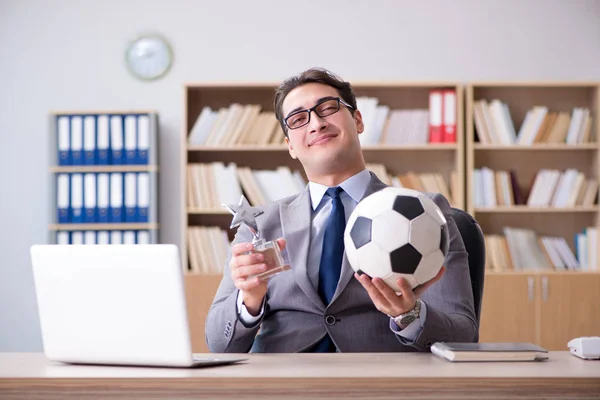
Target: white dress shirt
[(354, 189)]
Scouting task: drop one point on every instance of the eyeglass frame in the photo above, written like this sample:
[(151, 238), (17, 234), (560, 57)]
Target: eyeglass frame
[(314, 108)]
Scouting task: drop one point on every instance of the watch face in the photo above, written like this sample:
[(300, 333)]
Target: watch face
[(407, 320), (149, 57)]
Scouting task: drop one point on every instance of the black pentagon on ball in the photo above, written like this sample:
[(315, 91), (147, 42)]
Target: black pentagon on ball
[(444, 242), (361, 272), (361, 232), (405, 259), (409, 207)]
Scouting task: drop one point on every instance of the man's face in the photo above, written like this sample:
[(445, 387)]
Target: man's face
[(325, 144)]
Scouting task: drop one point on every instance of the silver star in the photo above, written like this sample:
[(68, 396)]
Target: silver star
[(244, 213)]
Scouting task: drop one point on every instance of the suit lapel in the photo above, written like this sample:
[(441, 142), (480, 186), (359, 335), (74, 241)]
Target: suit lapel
[(296, 222), (347, 272)]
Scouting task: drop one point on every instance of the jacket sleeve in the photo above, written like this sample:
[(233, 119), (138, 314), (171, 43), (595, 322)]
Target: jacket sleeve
[(450, 309), (225, 332)]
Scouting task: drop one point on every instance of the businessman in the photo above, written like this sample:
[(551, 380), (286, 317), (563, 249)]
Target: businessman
[(321, 305)]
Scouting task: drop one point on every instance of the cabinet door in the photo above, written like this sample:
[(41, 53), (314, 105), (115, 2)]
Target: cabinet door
[(199, 292), (570, 308), (508, 312)]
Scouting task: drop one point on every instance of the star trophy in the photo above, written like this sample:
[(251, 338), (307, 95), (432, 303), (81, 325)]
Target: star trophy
[(245, 214)]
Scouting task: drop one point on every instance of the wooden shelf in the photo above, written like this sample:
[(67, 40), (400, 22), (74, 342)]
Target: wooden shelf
[(238, 148), (102, 227), (534, 84), (196, 274), (414, 147), (537, 147), (197, 211), (463, 157), (527, 209), (407, 147), (90, 112), (545, 272), (104, 168)]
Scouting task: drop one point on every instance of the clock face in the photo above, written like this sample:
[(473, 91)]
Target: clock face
[(149, 57)]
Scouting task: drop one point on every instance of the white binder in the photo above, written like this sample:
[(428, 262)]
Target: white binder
[(103, 237), (89, 140), (116, 237), (89, 199), (77, 198)]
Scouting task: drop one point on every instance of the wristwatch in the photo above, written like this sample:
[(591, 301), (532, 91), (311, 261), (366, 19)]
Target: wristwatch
[(408, 317)]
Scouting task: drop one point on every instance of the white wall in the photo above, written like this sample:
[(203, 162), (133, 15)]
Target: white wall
[(69, 55)]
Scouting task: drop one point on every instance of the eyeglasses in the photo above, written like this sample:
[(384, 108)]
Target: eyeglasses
[(323, 109)]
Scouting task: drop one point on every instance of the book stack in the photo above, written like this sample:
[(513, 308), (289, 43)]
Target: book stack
[(238, 124), (550, 188), (494, 125), (207, 248), (520, 249)]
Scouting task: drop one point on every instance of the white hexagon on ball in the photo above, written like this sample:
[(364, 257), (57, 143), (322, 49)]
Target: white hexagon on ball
[(432, 209), (390, 230), (429, 266), (425, 233), (371, 206), (392, 281), (373, 260)]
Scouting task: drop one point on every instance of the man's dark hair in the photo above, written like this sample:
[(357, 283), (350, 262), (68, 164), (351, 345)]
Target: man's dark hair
[(313, 75)]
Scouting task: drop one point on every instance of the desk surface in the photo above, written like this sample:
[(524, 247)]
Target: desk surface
[(375, 375)]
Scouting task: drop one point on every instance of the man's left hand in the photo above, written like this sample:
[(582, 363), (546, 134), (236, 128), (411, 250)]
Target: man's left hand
[(385, 298)]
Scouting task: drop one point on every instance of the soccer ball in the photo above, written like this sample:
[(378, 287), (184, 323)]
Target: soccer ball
[(397, 233)]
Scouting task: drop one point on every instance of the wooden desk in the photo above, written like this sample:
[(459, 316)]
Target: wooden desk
[(305, 376)]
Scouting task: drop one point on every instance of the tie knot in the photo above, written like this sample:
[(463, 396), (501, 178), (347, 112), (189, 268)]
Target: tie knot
[(334, 192)]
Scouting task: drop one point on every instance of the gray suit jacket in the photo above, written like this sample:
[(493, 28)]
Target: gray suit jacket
[(295, 318)]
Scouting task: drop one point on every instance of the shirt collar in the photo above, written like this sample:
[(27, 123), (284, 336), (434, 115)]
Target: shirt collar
[(355, 187)]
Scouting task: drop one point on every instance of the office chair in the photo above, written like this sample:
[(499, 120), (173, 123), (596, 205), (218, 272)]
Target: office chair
[(472, 236)]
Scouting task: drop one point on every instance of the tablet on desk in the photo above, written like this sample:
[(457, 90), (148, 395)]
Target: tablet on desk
[(452, 351)]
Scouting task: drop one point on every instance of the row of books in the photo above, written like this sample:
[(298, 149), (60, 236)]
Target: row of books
[(103, 139), (424, 182), (384, 125), (554, 188), (207, 249), (103, 197), (210, 185), (249, 124), (520, 249), (237, 124), (103, 237), (494, 125), (213, 184), (550, 188)]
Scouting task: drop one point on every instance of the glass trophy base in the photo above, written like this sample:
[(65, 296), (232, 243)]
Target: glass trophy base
[(272, 272), (273, 258)]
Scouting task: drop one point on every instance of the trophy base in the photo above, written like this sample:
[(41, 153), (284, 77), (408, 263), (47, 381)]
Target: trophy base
[(272, 272), (272, 258)]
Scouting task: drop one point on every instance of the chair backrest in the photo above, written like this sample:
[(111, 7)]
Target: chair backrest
[(472, 236)]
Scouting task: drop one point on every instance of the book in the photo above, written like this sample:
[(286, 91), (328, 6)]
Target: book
[(516, 351)]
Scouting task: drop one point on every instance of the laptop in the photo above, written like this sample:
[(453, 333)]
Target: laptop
[(114, 305)]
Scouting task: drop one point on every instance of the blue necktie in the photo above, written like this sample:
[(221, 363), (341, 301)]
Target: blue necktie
[(332, 254), (333, 247)]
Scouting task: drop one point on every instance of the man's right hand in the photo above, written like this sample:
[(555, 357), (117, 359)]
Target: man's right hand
[(243, 268)]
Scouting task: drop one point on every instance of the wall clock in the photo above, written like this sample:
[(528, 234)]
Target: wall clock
[(149, 57)]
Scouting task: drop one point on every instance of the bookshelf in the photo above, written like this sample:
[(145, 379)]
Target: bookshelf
[(104, 174), (392, 157), (557, 149), (510, 132)]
